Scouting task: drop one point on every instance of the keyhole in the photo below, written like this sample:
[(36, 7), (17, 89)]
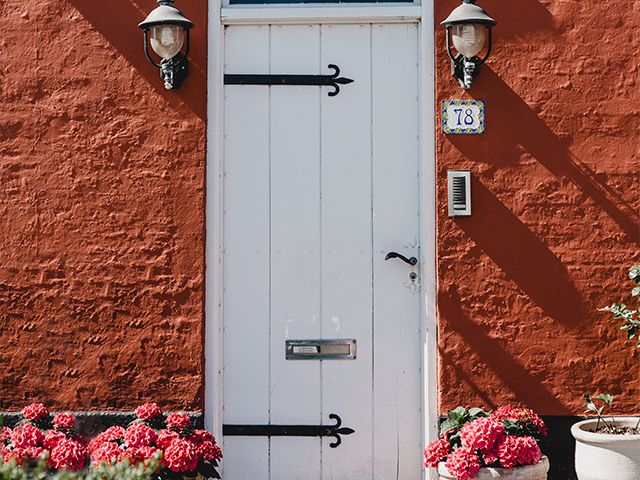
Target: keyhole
[(413, 276)]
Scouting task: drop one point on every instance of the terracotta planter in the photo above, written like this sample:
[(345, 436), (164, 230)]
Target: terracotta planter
[(529, 472), (600, 456)]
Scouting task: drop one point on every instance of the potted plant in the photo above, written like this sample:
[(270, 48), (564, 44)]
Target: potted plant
[(40, 436), (479, 445), (606, 448), (183, 450), (610, 448)]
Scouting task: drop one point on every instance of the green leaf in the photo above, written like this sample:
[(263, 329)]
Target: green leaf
[(448, 425), (634, 272), (635, 292), (605, 397)]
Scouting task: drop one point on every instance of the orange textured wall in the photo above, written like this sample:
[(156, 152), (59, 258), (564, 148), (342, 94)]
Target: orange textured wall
[(101, 210), (555, 222)]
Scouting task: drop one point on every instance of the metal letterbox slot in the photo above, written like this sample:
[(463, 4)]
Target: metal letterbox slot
[(320, 349)]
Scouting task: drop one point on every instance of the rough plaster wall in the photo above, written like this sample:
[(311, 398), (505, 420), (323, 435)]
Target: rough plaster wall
[(101, 210), (556, 220)]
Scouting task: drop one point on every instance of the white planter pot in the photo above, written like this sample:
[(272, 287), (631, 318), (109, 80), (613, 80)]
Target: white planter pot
[(601, 456), (528, 472)]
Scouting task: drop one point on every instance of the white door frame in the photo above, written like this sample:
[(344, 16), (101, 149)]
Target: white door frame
[(220, 16)]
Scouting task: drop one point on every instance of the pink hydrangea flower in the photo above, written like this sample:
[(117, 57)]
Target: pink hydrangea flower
[(199, 436), (523, 415), (514, 451), (52, 438), (181, 456), (26, 435), (148, 411), (482, 434), (68, 454), (18, 455), (64, 421), (5, 433), (111, 434), (463, 463), (166, 437), (178, 421), (35, 412), (436, 452), (209, 451), (109, 452), (140, 435), (147, 453)]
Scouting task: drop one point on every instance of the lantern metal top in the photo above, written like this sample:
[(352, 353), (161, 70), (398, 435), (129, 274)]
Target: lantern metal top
[(166, 14), (469, 12)]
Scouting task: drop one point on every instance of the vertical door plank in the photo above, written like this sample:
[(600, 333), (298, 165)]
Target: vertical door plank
[(295, 256), (346, 248), (397, 393), (246, 260)]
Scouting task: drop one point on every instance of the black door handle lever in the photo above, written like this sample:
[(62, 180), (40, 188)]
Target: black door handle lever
[(410, 261)]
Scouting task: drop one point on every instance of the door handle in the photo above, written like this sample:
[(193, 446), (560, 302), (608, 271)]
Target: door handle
[(410, 261)]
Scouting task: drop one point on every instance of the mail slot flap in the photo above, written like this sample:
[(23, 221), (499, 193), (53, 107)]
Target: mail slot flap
[(321, 349)]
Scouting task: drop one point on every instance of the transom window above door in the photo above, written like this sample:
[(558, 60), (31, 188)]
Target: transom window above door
[(292, 2)]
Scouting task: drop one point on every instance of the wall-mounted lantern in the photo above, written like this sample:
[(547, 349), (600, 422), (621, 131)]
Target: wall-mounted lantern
[(469, 29), (167, 29)]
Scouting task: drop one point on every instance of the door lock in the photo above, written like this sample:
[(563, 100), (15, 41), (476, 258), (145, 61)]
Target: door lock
[(410, 261)]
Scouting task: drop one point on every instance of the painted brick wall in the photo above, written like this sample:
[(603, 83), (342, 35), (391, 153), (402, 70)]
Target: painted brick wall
[(101, 210), (556, 220)]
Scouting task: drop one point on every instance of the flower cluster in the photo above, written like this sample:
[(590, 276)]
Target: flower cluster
[(182, 448), (507, 439), (41, 437)]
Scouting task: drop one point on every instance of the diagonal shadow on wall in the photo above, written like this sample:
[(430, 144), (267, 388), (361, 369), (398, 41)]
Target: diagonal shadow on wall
[(492, 353), (513, 21), (523, 258), (117, 21), (506, 137)]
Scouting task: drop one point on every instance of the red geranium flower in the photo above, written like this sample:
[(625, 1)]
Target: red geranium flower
[(514, 451)]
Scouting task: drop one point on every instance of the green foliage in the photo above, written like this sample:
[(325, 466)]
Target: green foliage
[(456, 419), (630, 317), (40, 471), (516, 428), (591, 406)]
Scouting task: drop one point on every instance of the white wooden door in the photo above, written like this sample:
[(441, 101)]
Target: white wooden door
[(318, 190)]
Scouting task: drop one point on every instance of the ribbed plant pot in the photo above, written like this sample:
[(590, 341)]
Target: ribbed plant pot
[(528, 472), (601, 456)]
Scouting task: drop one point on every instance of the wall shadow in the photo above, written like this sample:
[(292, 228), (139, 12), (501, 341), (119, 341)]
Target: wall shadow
[(528, 389), (513, 126), (117, 21), (523, 258), (514, 21)]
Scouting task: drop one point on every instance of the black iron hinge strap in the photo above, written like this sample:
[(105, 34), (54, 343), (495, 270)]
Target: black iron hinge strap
[(334, 80), (334, 431)]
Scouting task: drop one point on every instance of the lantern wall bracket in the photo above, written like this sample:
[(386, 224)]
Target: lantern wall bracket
[(292, 430), (334, 80)]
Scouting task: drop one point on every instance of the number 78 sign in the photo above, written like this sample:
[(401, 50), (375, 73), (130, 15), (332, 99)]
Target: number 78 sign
[(465, 117)]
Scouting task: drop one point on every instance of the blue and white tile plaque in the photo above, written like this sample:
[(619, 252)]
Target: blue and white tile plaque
[(462, 117)]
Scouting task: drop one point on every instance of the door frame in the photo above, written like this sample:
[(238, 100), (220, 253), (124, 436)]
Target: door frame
[(219, 16)]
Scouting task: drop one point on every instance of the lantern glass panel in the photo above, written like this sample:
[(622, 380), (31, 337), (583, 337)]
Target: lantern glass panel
[(469, 38), (167, 40)]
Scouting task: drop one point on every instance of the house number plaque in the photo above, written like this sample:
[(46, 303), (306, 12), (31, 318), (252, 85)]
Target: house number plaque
[(462, 117)]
